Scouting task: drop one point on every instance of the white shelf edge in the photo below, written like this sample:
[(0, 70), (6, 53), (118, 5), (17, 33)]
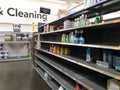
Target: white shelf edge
[(84, 45)]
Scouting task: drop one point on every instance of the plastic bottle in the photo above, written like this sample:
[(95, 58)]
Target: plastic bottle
[(46, 76), (79, 24), (61, 88), (77, 87), (97, 18), (110, 59), (63, 38), (67, 38), (76, 38), (88, 55), (71, 37), (104, 55), (81, 38)]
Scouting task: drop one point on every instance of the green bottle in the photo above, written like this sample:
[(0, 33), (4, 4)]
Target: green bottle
[(97, 18)]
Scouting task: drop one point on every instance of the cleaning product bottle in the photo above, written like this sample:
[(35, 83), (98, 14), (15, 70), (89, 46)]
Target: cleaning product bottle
[(77, 87), (97, 18), (105, 52), (76, 37), (61, 88), (110, 58), (71, 37), (67, 38), (88, 55), (81, 38), (63, 39)]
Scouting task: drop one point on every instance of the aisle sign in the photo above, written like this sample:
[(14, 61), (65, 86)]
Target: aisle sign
[(14, 14), (44, 10)]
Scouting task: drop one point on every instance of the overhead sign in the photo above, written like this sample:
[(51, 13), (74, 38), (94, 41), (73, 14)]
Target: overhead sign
[(15, 12), (44, 10)]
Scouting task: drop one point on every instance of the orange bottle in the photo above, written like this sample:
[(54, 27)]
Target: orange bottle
[(77, 87)]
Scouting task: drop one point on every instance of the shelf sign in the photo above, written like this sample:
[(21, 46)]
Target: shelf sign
[(44, 10)]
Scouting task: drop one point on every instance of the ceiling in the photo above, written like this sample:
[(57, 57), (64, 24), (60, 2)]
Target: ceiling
[(68, 3)]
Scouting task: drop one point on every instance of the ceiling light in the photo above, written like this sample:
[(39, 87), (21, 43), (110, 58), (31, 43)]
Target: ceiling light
[(57, 1)]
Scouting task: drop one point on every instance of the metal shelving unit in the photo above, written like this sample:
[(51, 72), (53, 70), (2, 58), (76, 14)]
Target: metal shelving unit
[(102, 70), (17, 50), (50, 83), (81, 78), (56, 75), (58, 66)]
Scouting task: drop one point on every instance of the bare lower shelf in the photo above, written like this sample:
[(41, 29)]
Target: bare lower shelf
[(14, 59), (106, 71), (51, 84), (78, 77), (60, 78)]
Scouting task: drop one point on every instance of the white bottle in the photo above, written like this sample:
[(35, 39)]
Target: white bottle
[(61, 88), (46, 76)]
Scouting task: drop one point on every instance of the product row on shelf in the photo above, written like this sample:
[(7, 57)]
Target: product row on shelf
[(83, 17), (88, 3), (73, 37), (76, 23), (107, 58), (17, 37)]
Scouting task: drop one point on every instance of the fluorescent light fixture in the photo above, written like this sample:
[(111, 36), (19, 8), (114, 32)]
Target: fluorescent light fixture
[(57, 1), (74, 4)]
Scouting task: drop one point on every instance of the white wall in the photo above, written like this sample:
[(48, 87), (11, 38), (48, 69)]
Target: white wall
[(25, 6)]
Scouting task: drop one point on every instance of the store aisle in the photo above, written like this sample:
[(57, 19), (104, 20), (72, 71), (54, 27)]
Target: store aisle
[(20, 76)]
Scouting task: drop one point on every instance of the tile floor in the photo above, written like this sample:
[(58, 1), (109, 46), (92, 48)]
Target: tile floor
[(20, 75)]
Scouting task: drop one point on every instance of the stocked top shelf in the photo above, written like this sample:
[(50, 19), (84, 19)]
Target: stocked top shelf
[(104, 7), (84, 45), (106, 71), (55, 75), (51, 84), (81, 78), (113, 23)]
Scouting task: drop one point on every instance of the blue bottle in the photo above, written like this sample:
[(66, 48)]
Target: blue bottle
[(76, 37), (81, 38), (88, 55)]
